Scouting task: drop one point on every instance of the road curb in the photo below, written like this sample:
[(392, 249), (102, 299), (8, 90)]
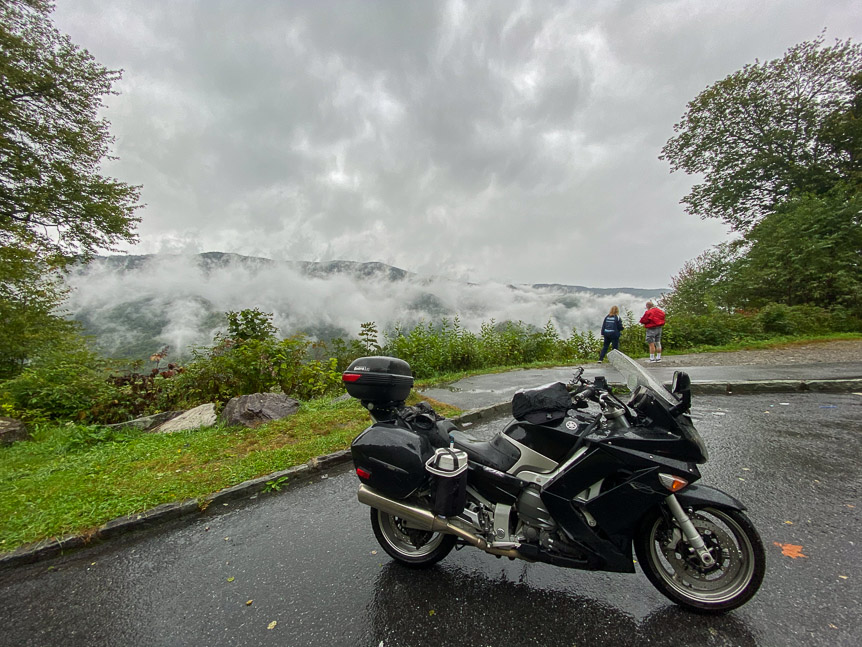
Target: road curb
[(298, 475)]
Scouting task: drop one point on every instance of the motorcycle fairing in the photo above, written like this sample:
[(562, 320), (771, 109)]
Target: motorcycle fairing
[(631, 488)]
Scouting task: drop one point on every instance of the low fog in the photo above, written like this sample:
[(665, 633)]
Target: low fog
[(175, 300)]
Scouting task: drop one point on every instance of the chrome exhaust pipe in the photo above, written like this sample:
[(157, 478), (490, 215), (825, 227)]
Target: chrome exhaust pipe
[(426, 520)]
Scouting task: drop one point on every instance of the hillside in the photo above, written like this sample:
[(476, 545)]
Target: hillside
[(134, 305)]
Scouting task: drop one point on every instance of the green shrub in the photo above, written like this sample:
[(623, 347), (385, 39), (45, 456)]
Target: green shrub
[(67, 381)]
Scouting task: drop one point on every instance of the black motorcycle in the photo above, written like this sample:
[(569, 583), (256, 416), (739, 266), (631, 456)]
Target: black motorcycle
[(576, 479)]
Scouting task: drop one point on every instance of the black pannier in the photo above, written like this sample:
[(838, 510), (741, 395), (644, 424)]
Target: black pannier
[(548, 403), (391, 459)]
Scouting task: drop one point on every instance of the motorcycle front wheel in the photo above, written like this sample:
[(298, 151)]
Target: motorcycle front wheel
[(675, 569), (411, 547)]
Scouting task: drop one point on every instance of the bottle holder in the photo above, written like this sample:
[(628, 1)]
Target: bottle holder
[(448, 467)]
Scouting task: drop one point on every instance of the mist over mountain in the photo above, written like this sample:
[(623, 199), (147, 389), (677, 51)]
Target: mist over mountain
[(134, 305)]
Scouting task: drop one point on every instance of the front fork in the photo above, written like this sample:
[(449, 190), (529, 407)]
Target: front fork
[(692, 536)]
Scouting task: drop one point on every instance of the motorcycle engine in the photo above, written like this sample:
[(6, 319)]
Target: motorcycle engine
[(539, 527)]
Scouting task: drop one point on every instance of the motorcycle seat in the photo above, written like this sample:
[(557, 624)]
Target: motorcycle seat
[(495, 453)]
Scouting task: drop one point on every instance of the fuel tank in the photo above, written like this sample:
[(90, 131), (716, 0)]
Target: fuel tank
[(554, 440)]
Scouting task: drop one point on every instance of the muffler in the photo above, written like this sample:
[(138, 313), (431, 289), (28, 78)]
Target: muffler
[(425, 520)]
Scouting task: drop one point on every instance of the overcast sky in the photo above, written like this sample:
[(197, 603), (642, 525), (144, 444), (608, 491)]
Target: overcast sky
[(505, 141)]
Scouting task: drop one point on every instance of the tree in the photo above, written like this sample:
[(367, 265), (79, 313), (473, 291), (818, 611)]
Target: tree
[(29, 298), (53, 199), (809, 251), (701, 285), (763, 134), (54, 203)]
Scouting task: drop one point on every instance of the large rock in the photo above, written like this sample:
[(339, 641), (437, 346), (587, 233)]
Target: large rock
[(256, 409), (12, 430), (147, 423), (202, 416)]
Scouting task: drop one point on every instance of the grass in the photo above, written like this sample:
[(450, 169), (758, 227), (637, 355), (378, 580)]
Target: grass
[(73, 478)]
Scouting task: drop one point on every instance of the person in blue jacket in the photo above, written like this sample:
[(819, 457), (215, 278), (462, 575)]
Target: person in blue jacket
[(612, 327)]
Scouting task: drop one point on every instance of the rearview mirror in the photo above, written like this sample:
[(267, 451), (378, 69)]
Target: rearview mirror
[(681, 388)]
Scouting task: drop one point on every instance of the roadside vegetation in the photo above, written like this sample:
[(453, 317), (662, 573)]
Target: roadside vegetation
[(777, 145)]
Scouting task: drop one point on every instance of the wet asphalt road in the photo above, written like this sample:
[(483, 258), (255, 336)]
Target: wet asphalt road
[(308, 561)]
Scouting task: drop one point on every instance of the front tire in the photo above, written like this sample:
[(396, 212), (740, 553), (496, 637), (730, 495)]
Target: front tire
[(412, 547), (675, 570)]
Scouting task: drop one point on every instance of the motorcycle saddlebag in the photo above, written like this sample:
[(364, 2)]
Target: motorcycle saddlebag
[(544, 404), (391, 459), (378, 379)]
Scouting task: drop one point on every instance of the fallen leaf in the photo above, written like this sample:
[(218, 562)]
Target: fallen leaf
[(850, 506), (272, 624), (373, 552), (833, 626), (843, 577), (431, 612), (248, 603), (231, 579), (789, 523), (790, 550)]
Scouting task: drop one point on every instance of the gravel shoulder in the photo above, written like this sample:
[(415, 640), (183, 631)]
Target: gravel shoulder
[(825, 352)]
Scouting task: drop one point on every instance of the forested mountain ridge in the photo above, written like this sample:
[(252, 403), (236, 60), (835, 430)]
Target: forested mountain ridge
[(135, 304)]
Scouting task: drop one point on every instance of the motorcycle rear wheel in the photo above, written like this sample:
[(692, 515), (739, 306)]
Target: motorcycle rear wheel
[(675, 570), (411, 547)]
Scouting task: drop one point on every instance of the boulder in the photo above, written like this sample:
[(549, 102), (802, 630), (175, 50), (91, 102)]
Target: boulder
[(202, 416), (12, 430), (256, 409), (147, 423)]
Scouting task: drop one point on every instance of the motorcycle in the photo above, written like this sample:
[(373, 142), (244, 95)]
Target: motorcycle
[(576, 479)]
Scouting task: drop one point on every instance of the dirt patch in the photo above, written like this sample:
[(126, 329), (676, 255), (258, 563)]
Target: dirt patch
[(825, 352)]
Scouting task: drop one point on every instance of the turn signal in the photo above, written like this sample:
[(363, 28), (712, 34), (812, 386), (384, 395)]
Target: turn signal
[(350, 377), (672, 483)]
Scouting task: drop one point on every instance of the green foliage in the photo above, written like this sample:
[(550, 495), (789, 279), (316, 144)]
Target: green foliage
[(275, 485), (806, 252), (250, 359), (67, 381), (250, 324), (30, 293), (701, 286), (770, 131), (54, 202), (368, 338)]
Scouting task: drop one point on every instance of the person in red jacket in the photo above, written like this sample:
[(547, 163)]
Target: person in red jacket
[(653, 320)]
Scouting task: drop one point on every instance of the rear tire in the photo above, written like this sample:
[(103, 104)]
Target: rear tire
[(411, 547), (675, 570)]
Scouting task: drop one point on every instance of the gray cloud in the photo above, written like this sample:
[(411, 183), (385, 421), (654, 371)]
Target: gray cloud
[(504, 141)]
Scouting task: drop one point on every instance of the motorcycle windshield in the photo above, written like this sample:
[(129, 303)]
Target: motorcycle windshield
[(636, 376)]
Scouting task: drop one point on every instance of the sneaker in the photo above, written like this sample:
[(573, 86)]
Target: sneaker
[(658, 359), (653, 361)]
